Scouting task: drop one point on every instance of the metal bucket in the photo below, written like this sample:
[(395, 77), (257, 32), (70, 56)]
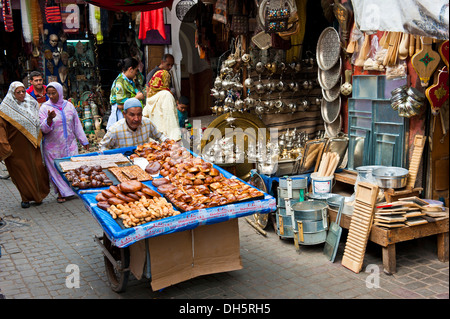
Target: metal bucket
[(297, 195), (298, 182), (310, 210), (284, 224), (312, 238)]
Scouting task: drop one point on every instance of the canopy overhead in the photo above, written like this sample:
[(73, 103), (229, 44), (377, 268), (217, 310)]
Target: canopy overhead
[(131, 5)]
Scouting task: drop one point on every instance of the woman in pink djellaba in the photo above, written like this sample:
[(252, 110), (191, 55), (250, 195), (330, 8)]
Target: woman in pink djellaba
[(61, 128)]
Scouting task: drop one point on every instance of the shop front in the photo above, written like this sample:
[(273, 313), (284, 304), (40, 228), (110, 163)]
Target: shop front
[(337, 111)]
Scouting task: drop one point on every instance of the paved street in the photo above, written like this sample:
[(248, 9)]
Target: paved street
[(38, 243)]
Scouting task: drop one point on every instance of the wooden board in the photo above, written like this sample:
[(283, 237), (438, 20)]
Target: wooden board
[(419, 143), (360, 226)]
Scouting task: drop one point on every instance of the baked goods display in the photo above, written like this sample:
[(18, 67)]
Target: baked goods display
[(105, 161), (134, 203), (189, 182), (133, 172), (186, 183), (88, 177)]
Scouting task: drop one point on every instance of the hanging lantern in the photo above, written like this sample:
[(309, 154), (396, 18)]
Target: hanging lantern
[(182, 10)]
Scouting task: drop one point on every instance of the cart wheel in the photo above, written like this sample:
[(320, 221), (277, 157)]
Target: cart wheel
[(3, 171), (257, 181), (118, 277)]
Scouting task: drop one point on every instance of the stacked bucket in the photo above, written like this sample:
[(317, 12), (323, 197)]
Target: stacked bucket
[(291, 190)]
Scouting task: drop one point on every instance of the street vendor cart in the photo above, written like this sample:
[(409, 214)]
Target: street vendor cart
[(171, 249)]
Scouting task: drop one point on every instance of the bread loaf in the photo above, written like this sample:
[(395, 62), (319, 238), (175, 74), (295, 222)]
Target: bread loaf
[(130, 186)]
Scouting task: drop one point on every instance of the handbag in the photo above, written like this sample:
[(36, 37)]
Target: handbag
[(52, 12), (7, 15), (277, 16)]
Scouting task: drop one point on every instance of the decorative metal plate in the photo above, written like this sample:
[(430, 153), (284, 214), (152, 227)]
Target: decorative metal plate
[(333, 129), (330, 110), (328, 79), (226, 123), (328, 48), (333, 94)]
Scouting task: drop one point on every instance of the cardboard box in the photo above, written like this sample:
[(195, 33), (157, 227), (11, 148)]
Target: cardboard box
[(185, 255)]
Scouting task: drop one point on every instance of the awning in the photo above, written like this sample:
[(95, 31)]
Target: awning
[(131, 5)]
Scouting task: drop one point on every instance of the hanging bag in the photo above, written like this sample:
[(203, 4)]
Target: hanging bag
[(52, 12), (277, 16), (7, 15)]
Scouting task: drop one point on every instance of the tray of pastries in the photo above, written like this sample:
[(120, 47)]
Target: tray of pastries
[(133, 172), (132, 203), (89, 177)]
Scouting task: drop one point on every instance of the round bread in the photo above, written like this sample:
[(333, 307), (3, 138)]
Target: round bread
[(115, 201), (165, 188), (160, 181), (153, 168), (133, 195), (103, 205), (100, 198), (107, 194), (125, 198), (149, 191), (114, 189), (130, 186)]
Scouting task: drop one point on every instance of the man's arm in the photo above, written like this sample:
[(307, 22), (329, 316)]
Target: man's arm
[(108, 141)]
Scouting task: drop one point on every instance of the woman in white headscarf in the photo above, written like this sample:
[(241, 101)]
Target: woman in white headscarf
[(20, 139)]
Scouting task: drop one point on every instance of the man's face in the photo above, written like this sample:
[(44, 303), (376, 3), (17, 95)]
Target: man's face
[(37, 82), (133, 116), (168, 64), (182, 107)]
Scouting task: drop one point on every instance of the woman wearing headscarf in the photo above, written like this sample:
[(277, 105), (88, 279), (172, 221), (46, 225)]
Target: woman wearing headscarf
[(61, 128), (123, 88), (161, 107), (20, 139)]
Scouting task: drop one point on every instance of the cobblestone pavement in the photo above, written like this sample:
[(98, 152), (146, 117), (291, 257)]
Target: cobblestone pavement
[(38, 243)]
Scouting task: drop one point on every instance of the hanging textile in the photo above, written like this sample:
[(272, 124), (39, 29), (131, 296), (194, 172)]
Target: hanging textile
[(95, 22), (152, 20), (7, 15), (70, 15), (37, 24), (26, 20), (429, 18), (52, 12), (132, 6)]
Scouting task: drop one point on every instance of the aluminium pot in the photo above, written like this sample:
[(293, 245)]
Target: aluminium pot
[(391, 177)]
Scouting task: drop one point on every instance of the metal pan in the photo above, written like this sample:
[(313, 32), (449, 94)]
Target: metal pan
[(333, 129), (328, 48), (331, 110), (328, 79), (332, 94)]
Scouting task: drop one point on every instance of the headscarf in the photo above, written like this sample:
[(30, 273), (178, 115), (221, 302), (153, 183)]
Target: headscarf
[(160, 81), (58, 87), (24, 116)]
